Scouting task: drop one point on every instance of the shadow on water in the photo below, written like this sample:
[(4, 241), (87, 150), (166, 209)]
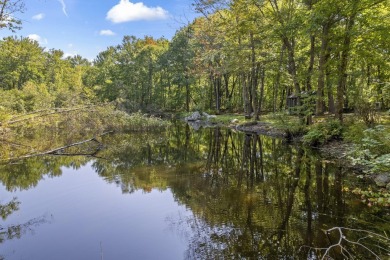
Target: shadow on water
[(251, 196)]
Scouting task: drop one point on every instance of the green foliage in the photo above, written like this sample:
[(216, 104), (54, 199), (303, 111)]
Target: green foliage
[(21, 60), (246, 57), (354, 131), (36, 96), (12, 101), (321, 133), (291, 125), (33, 79), (4, 115), (371, 197), (377, 140), (8, 15), (367, 112), (374, 150), (307, 106), (106, 118), (48, 129), (139, 122), (136, 122)]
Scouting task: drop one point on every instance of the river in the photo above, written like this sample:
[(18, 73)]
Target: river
[(184, 194)]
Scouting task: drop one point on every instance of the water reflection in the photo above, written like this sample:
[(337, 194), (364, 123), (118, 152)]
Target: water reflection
[(9, 232), (251, 196)]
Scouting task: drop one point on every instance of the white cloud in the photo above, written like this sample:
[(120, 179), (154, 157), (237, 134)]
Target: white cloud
[(38, 16), (107, 33), (63, 7), (70, 54), (6, 18), (126, 11), (37, 38)]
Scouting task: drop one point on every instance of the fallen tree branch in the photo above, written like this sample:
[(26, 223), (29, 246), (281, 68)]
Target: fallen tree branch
[(58, 150), (31, 113), (15, 144), (47, 112)]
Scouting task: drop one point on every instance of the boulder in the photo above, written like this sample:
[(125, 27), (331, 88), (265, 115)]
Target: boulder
[(194, 117), (382, 180)]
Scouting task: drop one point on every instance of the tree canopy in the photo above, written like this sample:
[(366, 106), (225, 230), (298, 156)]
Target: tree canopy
[(239, 56)]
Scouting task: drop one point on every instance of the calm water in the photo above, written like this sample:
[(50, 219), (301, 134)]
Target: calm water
[(184, 194)]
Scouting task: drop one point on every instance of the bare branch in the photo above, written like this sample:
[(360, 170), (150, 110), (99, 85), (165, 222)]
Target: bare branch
[(381, 244)]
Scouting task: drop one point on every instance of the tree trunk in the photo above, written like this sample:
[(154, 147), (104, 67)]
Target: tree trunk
[(262, 83), (331, 105), (311, 63), (289, 45), (342, 78), (292, 68), (253, 81), (312, 54), (321, 69), (187, 95), (217, 91), (277, 83), (247, 106)]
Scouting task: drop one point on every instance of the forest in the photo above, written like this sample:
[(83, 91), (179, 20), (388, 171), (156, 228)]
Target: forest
[(320, 68), (239, 56)]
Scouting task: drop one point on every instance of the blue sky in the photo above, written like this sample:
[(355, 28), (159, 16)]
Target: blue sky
[(87, 27)]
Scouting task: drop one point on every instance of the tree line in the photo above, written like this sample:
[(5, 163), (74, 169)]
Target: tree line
[(246, 56)]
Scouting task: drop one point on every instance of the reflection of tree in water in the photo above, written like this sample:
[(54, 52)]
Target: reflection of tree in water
[(8, 208), (251, 196), (259, 198), (26, 174), (16, 231), (234, 208), (144, 160)]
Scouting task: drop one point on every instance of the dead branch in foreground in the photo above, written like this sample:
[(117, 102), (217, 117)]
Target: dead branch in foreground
[(343, 244)]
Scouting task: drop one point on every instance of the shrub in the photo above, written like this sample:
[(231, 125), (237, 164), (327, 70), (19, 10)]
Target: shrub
[(377, 140), (36, 96), (139, 122), (354, 132), (366, 111), (12, 100), (121, 121), (374, 150), (4, 115), (321, 133), (289, 124)]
